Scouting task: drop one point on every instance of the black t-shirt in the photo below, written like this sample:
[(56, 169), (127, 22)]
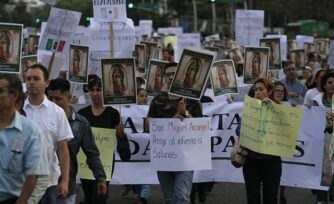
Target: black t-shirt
[(109, 118)]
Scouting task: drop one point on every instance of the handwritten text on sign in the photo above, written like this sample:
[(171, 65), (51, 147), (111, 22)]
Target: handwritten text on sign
[(180, 145), (271, 128), (105, 142)]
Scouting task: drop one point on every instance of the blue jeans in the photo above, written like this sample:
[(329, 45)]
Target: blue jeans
[(176, 186), (50, 195), (68, 200)]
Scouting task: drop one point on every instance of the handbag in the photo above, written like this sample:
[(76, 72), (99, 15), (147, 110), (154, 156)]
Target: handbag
[(238, 155)]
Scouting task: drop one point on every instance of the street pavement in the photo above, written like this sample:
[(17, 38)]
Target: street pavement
[(222, 193)]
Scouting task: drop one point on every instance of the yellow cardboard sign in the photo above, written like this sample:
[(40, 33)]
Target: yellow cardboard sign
[(105, 142), (270, 128)]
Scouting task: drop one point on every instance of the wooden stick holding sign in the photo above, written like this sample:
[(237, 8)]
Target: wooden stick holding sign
[(51, 62)]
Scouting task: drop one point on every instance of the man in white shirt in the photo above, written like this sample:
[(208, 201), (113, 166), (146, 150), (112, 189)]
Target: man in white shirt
[(55, 128)]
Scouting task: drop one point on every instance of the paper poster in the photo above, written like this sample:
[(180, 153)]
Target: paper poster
[(298, 57), (301, 39), (10, 47), (61, 25), (223, 78), (180, 145), (155, 84), (26, 62), (146, 27), (140, 58), (270, 128), (331, 54), (283, 42), (32, 44), (275, 61), (187, 40), (256, 63), (78, 63), (171, 31), (151, 51), (236, 55), (192, 73), (109, 11), (249, 27), (105, 141), (118, 81)]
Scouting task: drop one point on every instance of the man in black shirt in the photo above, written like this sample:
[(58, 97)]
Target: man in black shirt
[(59, 92)]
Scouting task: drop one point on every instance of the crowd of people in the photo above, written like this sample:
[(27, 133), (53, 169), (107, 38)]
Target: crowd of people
[(41, 134)]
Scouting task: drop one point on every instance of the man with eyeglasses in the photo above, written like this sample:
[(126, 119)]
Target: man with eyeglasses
[(296, 90), (176, 186)]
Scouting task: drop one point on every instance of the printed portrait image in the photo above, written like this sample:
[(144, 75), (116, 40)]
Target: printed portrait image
[(273, 74), (191, 72), (118, 80), (140, 51), (298, 57), (309, 47), (26, 62), (236, 55), (256, 64), (151, 51), (223, 77), (10, 46), (155, 78), (292, 45), (274, 52), (78, 65), (322, 46), (33, 44)]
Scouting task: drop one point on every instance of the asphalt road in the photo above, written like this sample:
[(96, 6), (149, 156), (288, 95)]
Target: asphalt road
[(227, 193)]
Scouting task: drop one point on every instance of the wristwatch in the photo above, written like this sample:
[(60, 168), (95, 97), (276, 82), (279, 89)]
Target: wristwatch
[(186, 114)]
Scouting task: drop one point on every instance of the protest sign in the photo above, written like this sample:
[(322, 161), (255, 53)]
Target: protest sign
[(322, 47), (302, 171), (155, 84), (223, 77), (171, 31), (118, 81), (187, 40), (146, 27), (78, 63), (32, 44), (105, 142), (275, 61), (151, 51), (26, 62), (256, 63), (283, 46), (10, 47), (192, 73), (271, 128), (140, 58), (309, 47), (55, 61), (180, 145), (59, 28), (249, 26), (109, 11), (331, 54), (298, 57), (301, 39)]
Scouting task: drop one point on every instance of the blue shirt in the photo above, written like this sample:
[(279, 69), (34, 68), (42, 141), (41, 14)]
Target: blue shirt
[(295, 86), (22, 153)]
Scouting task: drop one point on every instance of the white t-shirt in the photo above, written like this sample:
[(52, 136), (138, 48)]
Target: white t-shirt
[(55, 127), (309, 96)]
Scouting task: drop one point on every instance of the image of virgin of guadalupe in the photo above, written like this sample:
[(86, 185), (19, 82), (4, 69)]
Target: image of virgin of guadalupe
[(158, 78), (256, 64), (118, 81), (5, 44), (222, 76), (191, 73), (76, 62)]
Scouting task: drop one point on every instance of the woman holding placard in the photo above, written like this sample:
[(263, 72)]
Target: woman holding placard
[(262, 169)]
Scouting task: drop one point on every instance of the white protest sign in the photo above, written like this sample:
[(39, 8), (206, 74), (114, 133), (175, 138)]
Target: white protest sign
[(171, 30), (187, 40), (61, 24), (146, 27), (138, 34), (56, 64), (109, 11), (303, 171), (249, 26), (124, 38), (180, 145), (212, 37), (331, 54), (284, 45), (301, 39)]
